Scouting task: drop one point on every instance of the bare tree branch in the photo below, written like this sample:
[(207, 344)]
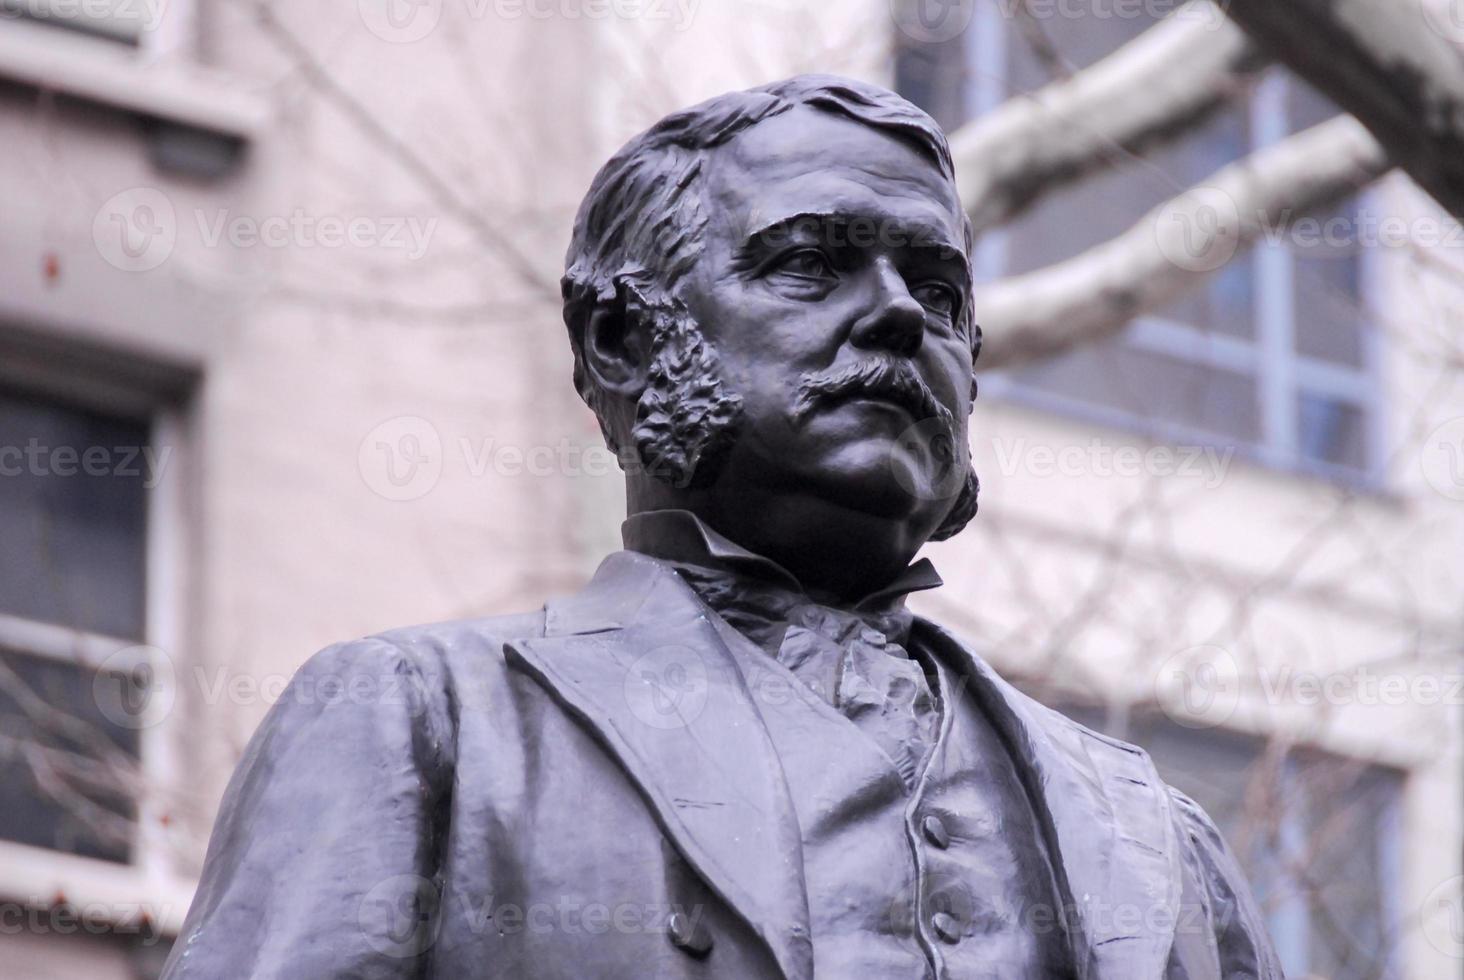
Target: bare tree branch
[(1152, 90), (1386, 62), (442, 191), (1176, 246)]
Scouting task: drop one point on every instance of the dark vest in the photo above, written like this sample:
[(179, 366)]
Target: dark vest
[(973, 896)]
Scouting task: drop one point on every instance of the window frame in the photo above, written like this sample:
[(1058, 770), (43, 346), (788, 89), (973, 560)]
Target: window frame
[(1280, 372), (150, 882), (1287, 915)]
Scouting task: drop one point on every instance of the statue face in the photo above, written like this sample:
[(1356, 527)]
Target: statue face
[(831, 286)]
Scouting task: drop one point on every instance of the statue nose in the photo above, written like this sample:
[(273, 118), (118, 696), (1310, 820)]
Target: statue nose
[(896, 321)]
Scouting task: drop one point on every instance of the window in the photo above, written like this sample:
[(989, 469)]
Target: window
[(74, 503), (1316, 834), (1271, 355)]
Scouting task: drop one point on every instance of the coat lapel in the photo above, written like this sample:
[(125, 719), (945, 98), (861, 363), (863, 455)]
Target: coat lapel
[(1107, 822), (635, 660)]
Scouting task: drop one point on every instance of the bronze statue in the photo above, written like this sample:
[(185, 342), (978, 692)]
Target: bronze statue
[(735, 753)]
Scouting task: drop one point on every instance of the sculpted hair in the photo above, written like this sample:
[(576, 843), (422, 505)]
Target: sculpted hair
[(640, 227)]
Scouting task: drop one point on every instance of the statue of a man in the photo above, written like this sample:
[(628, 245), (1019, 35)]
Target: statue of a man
[(735, 753)]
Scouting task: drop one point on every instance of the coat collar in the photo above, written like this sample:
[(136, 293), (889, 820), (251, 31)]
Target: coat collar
[(635, 659), (681, 536)]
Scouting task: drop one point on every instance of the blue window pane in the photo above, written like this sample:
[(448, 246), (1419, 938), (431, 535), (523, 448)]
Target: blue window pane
[(66, 779), (1152, 388), (73, 516), (1331, 431)]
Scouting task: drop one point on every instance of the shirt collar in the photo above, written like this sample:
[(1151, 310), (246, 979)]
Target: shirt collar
[(681, 536)]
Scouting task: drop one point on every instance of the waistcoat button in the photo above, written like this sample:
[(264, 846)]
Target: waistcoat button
[(689, 935), (935, 831), (947, 927)]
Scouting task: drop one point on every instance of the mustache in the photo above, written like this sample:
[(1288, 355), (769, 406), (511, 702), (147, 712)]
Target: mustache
[(879, 377)]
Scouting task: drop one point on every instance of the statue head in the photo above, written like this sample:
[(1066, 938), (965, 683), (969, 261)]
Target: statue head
[(768, 299)]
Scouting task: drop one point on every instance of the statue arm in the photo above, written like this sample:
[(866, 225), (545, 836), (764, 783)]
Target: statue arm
[(1241, 938), (322, 857)]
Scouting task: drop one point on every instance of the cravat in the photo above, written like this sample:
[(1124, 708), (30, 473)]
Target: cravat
[(854, 659)]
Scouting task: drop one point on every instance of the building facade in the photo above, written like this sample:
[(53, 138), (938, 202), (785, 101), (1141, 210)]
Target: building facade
[(281, 364)]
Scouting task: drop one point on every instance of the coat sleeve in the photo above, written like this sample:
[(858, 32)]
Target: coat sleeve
[(324, 858), (1242, 942)]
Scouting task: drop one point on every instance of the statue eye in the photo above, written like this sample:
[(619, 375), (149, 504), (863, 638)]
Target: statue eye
[(806, 263), (937, 297)]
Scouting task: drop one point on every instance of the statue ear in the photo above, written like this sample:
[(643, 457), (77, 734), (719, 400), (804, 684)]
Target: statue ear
[(617, 345)]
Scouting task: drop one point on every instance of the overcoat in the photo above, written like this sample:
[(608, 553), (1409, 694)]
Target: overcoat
[(590, 791)]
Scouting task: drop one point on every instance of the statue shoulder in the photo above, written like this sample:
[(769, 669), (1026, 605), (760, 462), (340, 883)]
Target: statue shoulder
[(416, 672)]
